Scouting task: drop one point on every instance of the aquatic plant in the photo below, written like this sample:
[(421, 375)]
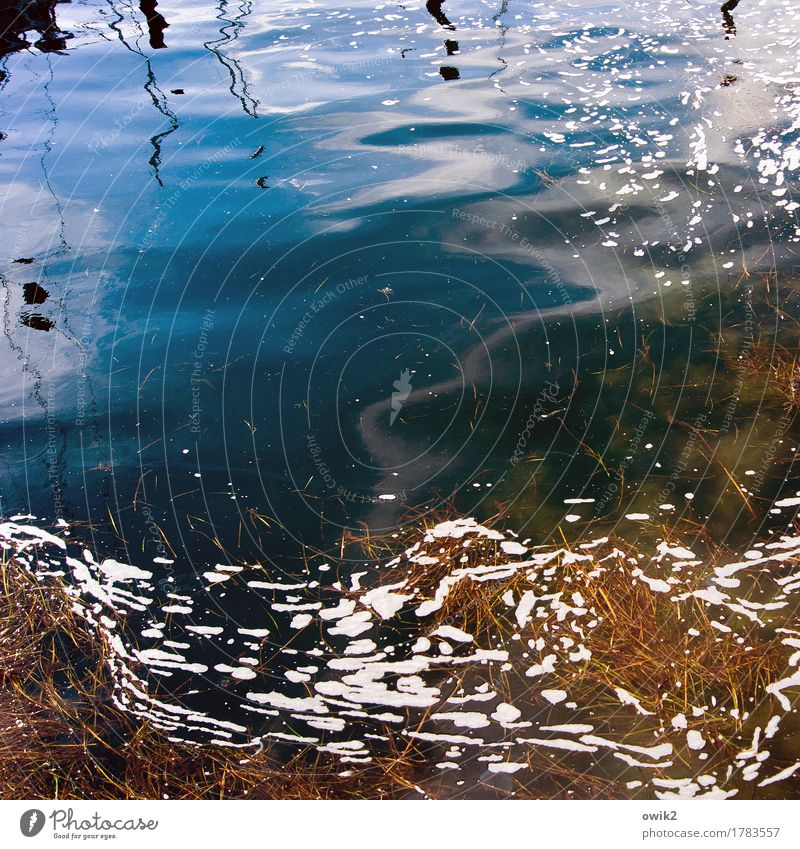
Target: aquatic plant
[(473, 660), (63, 737)]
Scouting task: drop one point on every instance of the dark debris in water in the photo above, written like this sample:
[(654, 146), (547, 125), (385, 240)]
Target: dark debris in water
[(728, 23), (434, 7), (37, 322), (18, 19), (156, 24), (34, 293)]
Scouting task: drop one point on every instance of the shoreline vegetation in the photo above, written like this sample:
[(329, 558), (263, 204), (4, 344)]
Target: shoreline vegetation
[(61, 736), (646, 663)]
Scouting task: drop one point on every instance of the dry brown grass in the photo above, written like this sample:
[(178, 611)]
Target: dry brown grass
[(780, 365), (61, 738), (641, 642)]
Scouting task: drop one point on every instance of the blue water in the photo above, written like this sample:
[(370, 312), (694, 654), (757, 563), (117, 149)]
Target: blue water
[(314, 270)]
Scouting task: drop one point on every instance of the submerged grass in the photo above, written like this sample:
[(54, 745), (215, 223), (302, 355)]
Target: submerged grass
[(61, 736), (781, 366), (671, 649)]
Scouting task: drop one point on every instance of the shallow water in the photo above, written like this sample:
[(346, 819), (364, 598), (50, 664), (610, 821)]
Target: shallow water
[(290, 274)]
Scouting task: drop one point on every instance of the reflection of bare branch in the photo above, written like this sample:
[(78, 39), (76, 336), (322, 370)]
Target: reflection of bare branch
[(28, 367), (156, 95), (160, 102), (503, 30), (48, 146), (34, 379), (229, 34)]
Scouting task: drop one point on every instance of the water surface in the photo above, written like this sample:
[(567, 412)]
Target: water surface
[(275, 276)]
